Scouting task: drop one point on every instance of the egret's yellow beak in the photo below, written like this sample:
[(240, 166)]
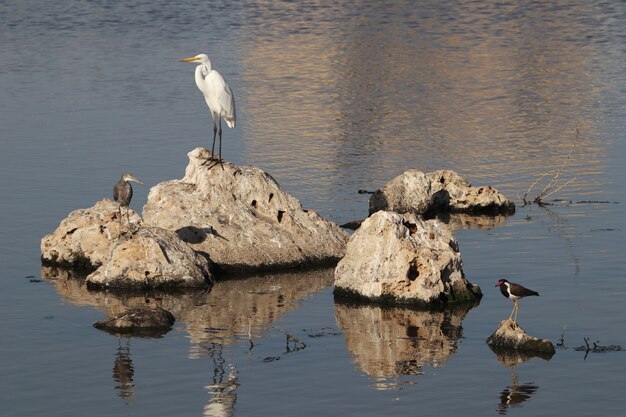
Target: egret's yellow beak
[(190, 59)]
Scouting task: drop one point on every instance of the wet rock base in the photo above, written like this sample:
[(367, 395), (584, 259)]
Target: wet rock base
[(509, 335)]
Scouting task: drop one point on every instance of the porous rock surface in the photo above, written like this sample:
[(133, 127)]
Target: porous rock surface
[(510, 335), (403, 259), (241, 218), (441, 190), (84, 237), (151, 257)]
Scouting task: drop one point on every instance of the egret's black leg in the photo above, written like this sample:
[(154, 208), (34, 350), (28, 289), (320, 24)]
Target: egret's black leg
[(211, 157), (214, 134), (221, 143)]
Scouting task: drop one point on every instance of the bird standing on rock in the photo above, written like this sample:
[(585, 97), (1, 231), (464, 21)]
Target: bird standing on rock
[(218, 96), (123, 193), (514, 292)]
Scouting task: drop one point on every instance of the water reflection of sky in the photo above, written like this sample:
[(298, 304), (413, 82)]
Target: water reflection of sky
[(480, 88)]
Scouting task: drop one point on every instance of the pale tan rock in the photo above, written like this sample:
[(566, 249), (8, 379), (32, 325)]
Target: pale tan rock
[(84, 237), (400, 258), (510, 335), (241, 218), (151, 258), (442, 190)]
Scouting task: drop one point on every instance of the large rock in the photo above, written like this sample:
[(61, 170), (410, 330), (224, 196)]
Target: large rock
[(509, 335), (84, 237), (151, 258), (400, 258), (241, 218), (442, 190)]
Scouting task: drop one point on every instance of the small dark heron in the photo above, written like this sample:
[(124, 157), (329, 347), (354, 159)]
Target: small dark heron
[(123, 193)]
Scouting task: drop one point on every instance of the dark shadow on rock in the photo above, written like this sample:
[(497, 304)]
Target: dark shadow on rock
[(194, 235)]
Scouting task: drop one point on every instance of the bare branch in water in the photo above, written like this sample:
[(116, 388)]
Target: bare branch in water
[(553, 185)]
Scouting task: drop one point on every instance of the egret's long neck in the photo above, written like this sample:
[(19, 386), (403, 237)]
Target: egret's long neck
[(202, 71)]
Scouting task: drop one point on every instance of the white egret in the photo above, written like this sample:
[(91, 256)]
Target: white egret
[(217, 94)]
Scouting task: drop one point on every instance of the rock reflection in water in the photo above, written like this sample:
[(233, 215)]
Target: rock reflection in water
[(232, 309), (389, 343), (460, 221), (515, 394)]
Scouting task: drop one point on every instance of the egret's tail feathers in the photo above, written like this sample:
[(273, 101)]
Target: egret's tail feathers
[(230, 122)]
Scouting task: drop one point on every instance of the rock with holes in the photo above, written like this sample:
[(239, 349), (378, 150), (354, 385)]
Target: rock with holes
[(242, 219), (84, 237), (152, 257), (442, 190), (402, 259), (509, 335)]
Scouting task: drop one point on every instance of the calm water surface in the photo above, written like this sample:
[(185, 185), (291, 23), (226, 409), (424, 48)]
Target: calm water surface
[(331, 99)]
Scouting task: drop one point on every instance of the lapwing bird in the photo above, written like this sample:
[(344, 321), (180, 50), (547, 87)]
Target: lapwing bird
[(514, 292)]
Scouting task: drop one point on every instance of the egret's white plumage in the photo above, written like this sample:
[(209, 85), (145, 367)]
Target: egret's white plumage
[(217, 94)]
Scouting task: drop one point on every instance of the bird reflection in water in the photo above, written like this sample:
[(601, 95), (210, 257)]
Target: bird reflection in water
[(515, 394), (224, 386), (123, 370)]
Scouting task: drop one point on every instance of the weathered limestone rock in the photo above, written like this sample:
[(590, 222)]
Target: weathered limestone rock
[(400, 258), (84, 237), (151, 258), (510, 336), (442, 190), (145, 321), (241, 218)]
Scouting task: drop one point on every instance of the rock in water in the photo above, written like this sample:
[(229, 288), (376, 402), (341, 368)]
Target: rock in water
[(510, 336), (442, 190), (139, 321), (402, 259), (84, 237), (151, 258), (242, 219)]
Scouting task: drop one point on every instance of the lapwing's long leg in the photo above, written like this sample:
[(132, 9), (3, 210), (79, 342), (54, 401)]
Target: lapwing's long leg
[(516, 310), (512, 311)]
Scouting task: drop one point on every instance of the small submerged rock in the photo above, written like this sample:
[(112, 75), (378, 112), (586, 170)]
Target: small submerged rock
[(442, 190), (139, 321), (241, 218), (151, 258), (510, 335), (402, 259)]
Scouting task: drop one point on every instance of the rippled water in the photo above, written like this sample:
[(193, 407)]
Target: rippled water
[(331, 99)]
